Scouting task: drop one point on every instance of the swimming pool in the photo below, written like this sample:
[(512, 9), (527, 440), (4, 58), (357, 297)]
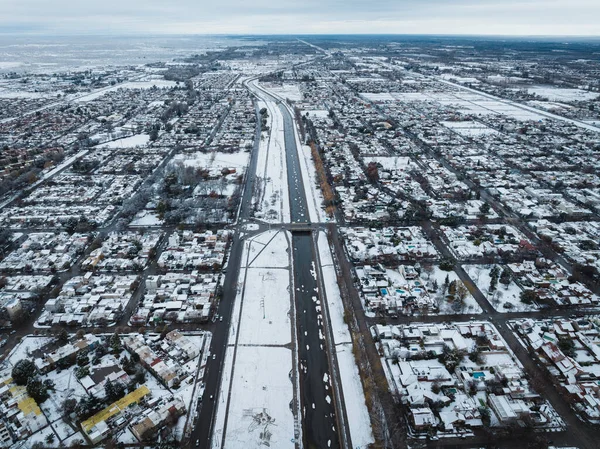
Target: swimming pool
[(384, 291), (478, 375)]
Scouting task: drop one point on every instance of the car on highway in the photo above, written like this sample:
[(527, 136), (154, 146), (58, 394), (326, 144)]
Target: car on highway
[(214, 356), (220, 318), (197, 443)]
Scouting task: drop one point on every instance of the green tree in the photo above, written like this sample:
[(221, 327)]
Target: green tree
[(528, 296), (567, 346), (115, 343), (23, 371), (63, 337), (37, 390), (484, 208)]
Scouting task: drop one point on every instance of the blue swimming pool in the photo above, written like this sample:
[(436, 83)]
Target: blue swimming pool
[(478, 375)]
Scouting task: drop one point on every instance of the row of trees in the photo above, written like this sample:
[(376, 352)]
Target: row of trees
[(326, 189)]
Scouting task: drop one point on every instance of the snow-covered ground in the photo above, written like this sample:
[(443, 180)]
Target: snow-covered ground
[(146, 218), (314, 196), (469, 128), (138, 140), (271, 196), (254, 398), (482, 102), (359, 422), (502, 295), (562, 94), (469, 304), (214, 160), (286, 91), (313, 193), (159, 83)]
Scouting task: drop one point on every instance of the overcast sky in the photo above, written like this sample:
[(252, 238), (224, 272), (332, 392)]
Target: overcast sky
[(500, 17)]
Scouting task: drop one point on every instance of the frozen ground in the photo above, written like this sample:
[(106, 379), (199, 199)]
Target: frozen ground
[(502, 295), (254, 399), (359, 422)]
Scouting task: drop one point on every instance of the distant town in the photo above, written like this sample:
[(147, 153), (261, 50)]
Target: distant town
[(320, 242)]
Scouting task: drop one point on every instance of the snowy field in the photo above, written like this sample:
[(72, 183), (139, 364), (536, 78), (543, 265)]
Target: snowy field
[(6, 93), (502, 295), (320, 113), (271, 197), (285, 91), (214, 160), (139, 140), (562, 94), (397, 163), (469, 102), (159, 83), (146, 218), (254, 399), (515, 110), (470, 128), (359, 422)]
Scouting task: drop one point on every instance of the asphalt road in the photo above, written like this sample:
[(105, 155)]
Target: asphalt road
[(318, 412), (319, 420), (298, 204)]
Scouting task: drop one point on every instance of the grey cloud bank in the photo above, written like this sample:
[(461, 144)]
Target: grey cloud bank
[(534, 17)]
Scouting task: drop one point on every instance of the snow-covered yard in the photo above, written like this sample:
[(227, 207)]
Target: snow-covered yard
[(447, 307), (505, 297)]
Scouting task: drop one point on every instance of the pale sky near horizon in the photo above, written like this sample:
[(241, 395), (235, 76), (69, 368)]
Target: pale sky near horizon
[(481, 17)]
